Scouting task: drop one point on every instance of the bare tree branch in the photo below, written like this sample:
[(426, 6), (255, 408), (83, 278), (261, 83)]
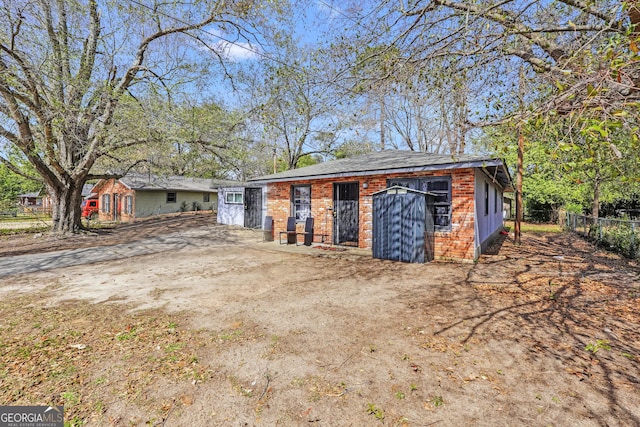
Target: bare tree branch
[(13, 168)]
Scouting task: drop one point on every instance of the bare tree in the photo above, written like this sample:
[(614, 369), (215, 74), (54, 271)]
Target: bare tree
[(297, 106), (429, 116), (65, 67), (582, 56), (587, 50)]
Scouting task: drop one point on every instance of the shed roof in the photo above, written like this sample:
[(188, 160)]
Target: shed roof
[(392, 161), (399, 189)]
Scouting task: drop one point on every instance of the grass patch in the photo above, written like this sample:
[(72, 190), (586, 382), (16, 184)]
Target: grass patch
[(437, 401), (25, 230), (21, 218), (530, 227), (67, 355), (99, 225), (597, 346), (376, 412)]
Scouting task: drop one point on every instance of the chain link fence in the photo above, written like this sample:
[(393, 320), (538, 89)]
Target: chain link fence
[(613, 234)]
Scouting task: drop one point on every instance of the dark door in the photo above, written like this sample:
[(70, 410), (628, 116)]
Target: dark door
[(253, 207), (345, 212)]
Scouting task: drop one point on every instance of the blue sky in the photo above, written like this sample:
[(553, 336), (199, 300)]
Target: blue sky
[(310, 27)]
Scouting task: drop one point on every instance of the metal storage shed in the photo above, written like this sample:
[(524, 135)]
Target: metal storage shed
[(403, 227)]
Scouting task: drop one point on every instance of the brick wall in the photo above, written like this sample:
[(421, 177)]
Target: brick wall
[(458, 244), (111, 187)]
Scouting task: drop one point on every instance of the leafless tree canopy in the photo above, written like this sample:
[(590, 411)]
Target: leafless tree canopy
[(65, 66), (586, 49)]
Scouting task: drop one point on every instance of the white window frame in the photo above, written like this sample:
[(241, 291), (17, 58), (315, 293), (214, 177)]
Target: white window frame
[(301, 202), (234, 197), (128, 205), (106, 203)]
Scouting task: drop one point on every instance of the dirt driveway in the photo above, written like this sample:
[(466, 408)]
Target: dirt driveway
[(217, 328)]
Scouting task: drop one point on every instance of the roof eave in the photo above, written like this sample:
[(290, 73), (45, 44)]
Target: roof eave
[(427, 168), (193, 190), (126, 185), (503, 179)]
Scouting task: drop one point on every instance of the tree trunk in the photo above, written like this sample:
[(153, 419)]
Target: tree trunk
[(517, 233), (66, 207), (595, 207), (517, 226)]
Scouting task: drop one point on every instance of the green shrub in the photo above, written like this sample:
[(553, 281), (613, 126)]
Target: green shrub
[(620, 237)]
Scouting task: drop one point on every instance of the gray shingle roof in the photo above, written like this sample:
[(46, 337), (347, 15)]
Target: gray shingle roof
[(86, 190), (30, 195), (143, 182), (388, 161)]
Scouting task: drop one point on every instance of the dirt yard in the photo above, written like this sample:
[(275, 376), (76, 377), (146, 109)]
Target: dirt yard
[(221, 329)]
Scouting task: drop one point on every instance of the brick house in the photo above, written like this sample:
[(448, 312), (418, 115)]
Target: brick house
[(468, 191), (139, 195)]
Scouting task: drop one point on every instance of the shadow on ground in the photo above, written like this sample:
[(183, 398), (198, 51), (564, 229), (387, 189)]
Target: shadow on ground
[(568, 302)]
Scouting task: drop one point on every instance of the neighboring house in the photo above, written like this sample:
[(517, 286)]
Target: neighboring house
[(41, 202), (29, 200), (36, 202), (468, 191), (508, 206), (240, 204), (139, 195)]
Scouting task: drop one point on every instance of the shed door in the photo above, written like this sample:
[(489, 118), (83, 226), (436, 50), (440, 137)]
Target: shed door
[(253, 207), (403, 226), (345, 211)]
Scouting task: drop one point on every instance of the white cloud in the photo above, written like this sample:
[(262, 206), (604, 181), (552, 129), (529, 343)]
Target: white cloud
[(212, 39), (328, 8), (236, 51)]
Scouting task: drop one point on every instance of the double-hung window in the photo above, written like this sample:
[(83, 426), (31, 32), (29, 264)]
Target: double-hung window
[(234, 197), (106, 203), (172, 197), (128, 205), (441, 187), (486, 198), (301, 202)]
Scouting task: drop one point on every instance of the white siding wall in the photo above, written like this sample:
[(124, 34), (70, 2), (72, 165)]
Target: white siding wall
[(230, 214), (149, 203), (264, 204), (487, 224)]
